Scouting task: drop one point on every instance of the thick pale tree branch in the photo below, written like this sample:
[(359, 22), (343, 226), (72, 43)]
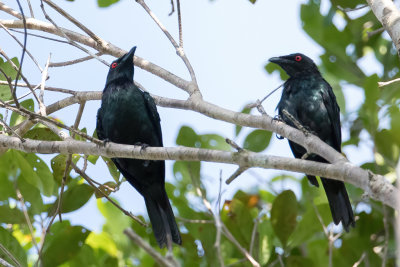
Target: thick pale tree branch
[(375, 185), (388, 14)]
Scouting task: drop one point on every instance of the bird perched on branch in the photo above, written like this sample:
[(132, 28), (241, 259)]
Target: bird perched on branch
[(310, 100), (129, 116)]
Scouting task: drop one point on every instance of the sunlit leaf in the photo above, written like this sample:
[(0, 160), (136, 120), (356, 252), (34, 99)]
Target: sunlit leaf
[(12, 245), (283, 215), (257, 140)]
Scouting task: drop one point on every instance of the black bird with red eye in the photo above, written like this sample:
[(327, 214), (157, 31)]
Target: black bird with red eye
[(311, 101), (129, 116)]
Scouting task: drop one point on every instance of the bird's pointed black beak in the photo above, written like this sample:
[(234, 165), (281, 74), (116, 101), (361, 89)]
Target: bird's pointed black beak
[(279, 60), (129, 56), (275, 59)]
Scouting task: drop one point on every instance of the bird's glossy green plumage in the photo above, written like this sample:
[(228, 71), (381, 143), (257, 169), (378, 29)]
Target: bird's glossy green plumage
[(129, 116), (311, 101)]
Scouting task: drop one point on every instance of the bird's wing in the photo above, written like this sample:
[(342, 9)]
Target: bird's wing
[(99, 126), (332, 107), (153, 113)]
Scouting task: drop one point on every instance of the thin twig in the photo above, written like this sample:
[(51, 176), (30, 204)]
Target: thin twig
[(218, 222), (70, 41), (194, 221), (228, 235), (42, 107), (42, 37), (382, 84), (172, 8), (236, 174), (30, 8), (162, 261), (178, 49), (375, 32), (351, 9), (258, 102), (27, 219), (9, 83), (233, 144), (11, 256), (5, 125), (5, 263), (178, 4), (386, 227), (31, 115), (23, 49), (47, 88), (357, 263), (22, 45), (98, 40), (296, 123), (22, 76), (72, 62)]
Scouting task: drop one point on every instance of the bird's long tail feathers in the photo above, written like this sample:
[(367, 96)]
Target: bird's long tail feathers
[(339, 202), (162, 218)]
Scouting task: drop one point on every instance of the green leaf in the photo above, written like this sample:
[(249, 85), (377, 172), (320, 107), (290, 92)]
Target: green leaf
[(272, 67), (214, 141), (283, 215), (16, 118), (92, 159), (387, 147), (31, 195), (75, 197), (63, 243), (11, 215), (34, 171), (42, 134), (7, 187), (105, 188), (188, 173), (266, 247), (257, 140), (103, 241), (112, 169), (238, 128), (13, 246), (5, 92), (309, 226), (187, 137), (347, 4), (58, 165), (115, 224), (106, 3)]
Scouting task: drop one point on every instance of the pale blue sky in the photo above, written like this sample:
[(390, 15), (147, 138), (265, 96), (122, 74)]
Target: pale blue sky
[(228, 43)]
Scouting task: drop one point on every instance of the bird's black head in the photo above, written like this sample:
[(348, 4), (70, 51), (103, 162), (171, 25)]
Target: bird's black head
[(295, 64), (122, 68)]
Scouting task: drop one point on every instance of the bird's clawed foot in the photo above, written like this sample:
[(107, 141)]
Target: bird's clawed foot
[(278, 118), (143, 146), (106, 141)]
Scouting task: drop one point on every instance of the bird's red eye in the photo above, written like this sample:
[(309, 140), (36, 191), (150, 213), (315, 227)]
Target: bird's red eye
[(297, 58), (114, 65)]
